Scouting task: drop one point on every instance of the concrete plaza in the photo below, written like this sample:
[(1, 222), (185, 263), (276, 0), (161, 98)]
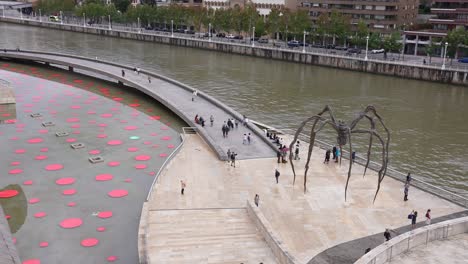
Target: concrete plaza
[(306, 223)]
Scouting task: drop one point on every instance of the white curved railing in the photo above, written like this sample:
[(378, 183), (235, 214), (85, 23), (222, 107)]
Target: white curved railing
[(421, 236)]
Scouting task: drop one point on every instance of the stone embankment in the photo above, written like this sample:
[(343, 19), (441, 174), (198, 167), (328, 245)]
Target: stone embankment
[(398, 69)]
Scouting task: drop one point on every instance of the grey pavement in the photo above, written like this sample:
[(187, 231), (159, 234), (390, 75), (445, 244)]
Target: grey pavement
[(351, 251), (8, 252), (177, 99)]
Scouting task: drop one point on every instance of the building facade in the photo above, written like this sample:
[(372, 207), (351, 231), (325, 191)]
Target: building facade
[(451, 14), (383, 16)]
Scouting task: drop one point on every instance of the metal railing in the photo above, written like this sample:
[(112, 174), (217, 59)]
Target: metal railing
[(375, 166)]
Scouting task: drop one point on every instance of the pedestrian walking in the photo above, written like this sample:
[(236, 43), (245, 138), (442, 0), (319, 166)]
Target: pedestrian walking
[(134, 69), (227, 131), (138, 71), (406, 190), (278, 155), (224, 128), (353, 156), (149, 79), (182, 187), (244, 139), (428, 217), (249, 138), (277, 174), (229, 153), (334, 152), (123, 73), (230, 124), (296, 153), (211, 120), (256, 199), (414, 217), (233, 159), (194, 95), (408, 178), (327, 156), (387, 234), (337, 154), (236, 123)]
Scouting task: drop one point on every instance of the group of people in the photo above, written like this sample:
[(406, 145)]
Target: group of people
[(228, 126), (247, 139), (232, 156), (135, 70), (414, 215), (199, 120), (407, 185)]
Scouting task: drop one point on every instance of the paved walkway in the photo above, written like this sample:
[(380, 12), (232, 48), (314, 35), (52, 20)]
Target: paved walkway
[(307, 224), (8, 252), (175, 98)]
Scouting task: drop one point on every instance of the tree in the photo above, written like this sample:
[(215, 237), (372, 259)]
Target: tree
[(121, 5), (274, 22), (362, 32), (431, 50), (323, 26), (260, 28), (339, 26), (55, 6), (375, 42), (455, 38), (300, 22), (391, 43)]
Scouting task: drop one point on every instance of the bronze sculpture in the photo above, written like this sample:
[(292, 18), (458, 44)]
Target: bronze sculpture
[(344, 134)]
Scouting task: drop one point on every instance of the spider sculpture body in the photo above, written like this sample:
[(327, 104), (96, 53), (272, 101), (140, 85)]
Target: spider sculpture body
[(344, 132)]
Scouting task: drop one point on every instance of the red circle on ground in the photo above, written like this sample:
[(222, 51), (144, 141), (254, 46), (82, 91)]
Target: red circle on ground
[(71, 204), (117, 193), (43, 244), (113, 163), (114, 142), (101, 229), (15, 171), (71, 140), (40, 215), (43, 131), (32, 261), (170, 146), (132, 149), (65, 181), (142, 157), (69, 192), (54, 167), (106, 115), (35, 140), (104, 177), (8, 193), (111, 258), (44, 149), (105, 214), (40, 157), (155, 117), (166, 138), (27, 182), (163, 155), (140, 166), (102, 136), (94, 152), (34, 200), (131, 127), (89, 242), (73, 120), (15, 163), (20, 151), (71, 223)]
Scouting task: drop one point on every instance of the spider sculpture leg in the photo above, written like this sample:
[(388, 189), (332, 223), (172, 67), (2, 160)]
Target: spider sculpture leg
[(384, 155), (350, 163), (370, 144)]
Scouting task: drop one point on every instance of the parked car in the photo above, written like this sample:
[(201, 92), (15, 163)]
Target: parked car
[(375, 51), (317, 46), (302, 44), (54, 19), (293, 43), (341, 48), (330, 46), (221, 35), (353, 51), (149, 28), (238, 37), (263, 40), (463, 60), (254, 39), (230, 36), (189, 31)]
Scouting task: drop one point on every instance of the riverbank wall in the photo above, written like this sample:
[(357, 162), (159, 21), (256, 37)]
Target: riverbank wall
[(391, 68)]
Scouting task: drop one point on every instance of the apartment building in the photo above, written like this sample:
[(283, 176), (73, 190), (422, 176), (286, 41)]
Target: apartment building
[(451, 14), (383, 16)]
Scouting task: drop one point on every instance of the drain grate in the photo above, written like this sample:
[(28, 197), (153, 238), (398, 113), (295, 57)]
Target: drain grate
[(62, 134), (96, 159), (48, 124), (77, 145), (36, 115)]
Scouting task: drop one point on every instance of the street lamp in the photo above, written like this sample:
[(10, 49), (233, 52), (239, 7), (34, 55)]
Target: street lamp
[(40, 16), (172, 28), (304, 42), (110, 28), (253, 37), (61, 17), (3, 11), (84, 20), (445, 54), (367, 46), (21, 12), (209, 32), (138, 25)]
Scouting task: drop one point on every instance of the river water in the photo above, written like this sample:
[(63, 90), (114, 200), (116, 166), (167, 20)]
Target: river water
[(427, 122)]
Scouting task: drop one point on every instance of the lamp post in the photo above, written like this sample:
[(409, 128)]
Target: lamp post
[(172, 28), (367, 46), (253, 36), (84, 20), (21, 13), (445, 54), (110, 28), (304, 43), (209, 32), (40, 16), (3, 12), (138, 25), (61, 17)]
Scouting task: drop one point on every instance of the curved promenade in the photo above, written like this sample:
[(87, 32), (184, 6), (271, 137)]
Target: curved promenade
[(174, 95)]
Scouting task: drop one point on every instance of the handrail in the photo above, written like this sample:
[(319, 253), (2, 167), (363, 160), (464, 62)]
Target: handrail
[(452, 197), (169, 158)]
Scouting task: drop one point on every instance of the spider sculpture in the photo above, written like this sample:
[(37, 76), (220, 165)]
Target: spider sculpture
[(344, 132)]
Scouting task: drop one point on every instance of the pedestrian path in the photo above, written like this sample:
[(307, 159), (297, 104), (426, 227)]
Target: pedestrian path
[(307, 224), (176, 98)]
